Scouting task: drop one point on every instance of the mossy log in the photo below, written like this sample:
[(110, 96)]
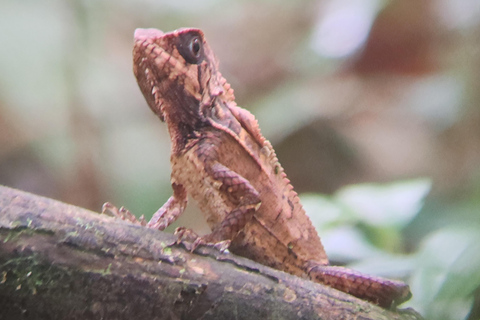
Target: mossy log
[(58, 261)]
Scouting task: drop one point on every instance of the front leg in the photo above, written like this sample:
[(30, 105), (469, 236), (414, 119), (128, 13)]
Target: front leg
[(242, 196), (171, 210), (239, 197), (161, 219)]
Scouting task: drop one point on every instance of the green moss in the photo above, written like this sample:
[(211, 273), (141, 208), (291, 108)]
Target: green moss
[(14, 234), (29, 276), (167, 250)]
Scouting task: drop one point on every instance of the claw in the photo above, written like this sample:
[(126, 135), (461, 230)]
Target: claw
[(142, 220), (122, 213), (222, 246), (109, 209), (186, 235), (190, 238)]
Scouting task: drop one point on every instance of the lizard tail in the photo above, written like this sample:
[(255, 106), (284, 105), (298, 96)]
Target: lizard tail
[(383, 292)]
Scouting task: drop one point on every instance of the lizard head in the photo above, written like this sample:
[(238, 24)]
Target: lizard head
[(177, 74)]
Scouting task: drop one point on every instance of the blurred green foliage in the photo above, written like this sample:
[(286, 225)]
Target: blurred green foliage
[(442, 270)]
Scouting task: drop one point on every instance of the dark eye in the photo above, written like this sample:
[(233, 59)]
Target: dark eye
[(190, 46), (195, 47)]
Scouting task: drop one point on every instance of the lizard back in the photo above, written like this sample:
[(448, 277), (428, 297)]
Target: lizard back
[(280, 234)]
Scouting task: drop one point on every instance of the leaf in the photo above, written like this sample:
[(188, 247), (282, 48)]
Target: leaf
[(392, 204), (447, 272), (346, 244), (322, 210)]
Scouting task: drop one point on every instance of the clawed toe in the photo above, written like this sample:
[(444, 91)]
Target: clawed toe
[(192, 241), (186, 235), (122, 213)]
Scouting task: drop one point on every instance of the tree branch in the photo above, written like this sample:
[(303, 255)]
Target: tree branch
[(58, 261)]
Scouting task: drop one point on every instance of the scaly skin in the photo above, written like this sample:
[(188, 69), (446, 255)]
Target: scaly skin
[(221, 159)]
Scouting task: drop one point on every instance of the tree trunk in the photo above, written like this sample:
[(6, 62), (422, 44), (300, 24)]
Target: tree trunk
[(58, 261)]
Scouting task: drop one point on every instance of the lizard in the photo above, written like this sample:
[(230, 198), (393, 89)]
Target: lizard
[(220, 158)]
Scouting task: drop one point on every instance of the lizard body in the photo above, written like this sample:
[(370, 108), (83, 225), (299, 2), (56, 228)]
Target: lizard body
[(221, 159)]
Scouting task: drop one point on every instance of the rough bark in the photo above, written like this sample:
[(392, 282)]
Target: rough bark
[(58, 261)]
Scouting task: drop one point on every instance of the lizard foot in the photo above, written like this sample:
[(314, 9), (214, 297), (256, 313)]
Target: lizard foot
[(192, 240), (122, 213)]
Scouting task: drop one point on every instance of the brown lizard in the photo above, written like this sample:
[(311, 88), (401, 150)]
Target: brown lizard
[(221, 159)]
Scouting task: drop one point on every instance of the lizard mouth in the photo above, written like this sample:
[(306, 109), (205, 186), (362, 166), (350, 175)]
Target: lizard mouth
[(145, 44)]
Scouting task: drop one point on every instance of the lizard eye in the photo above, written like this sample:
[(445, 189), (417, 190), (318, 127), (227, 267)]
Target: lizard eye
[(190, 47), (194, 46)]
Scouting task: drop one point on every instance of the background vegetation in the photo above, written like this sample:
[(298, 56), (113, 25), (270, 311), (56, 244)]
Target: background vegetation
[(372, 107)]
